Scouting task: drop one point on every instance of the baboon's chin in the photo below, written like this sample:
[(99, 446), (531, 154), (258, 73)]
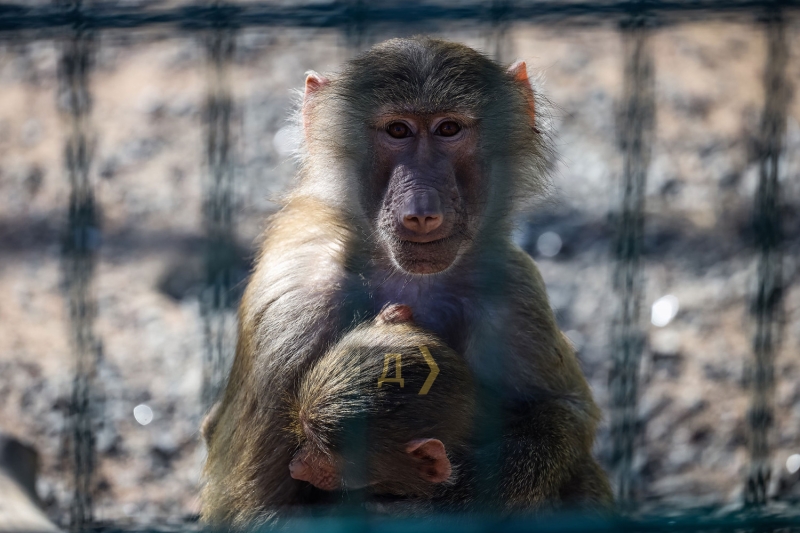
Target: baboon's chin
[(426, 258)]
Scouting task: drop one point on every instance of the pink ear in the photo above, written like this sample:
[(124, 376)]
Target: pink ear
[(431, 459), (314, 82), (519, 73)]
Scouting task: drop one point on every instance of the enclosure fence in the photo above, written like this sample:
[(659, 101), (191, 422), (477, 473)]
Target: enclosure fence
[(76, 25)]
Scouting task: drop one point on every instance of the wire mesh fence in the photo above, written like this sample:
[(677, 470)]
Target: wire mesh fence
[(79, 29)]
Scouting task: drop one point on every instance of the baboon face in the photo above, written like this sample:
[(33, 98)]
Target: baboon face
[(425, 183), (435, 140)]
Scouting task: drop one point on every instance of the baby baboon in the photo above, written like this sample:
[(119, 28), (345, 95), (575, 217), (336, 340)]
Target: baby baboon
[(395, 395), (415, 158)]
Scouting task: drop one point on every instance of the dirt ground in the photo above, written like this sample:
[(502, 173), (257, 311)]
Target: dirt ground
[(148, 169)]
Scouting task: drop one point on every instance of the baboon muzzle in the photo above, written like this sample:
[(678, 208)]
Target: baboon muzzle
[(421, 211)]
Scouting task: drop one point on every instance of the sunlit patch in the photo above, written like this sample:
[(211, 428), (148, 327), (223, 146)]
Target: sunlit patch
[(664, 310), (286, 140), (549, 244), (793, 463), (143, 414), (576, 338)]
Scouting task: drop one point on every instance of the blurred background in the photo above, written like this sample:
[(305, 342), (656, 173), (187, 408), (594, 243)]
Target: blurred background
[(143, 144)]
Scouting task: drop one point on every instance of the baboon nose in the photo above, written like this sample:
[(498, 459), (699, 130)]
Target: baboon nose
[(423, 212), (422, 223)]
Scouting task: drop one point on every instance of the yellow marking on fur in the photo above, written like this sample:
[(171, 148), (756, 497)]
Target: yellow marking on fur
[(398, 376), (434, 370)]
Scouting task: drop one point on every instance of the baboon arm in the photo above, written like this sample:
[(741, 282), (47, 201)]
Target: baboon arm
[(547, 412), (249, 446), (291, 311), (548, 460)]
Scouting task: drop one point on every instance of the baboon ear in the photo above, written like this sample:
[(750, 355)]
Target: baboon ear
[(314, 82), (519, 73), (430, 459)]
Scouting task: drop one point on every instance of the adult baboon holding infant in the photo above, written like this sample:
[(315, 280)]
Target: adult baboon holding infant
[(415, 158)]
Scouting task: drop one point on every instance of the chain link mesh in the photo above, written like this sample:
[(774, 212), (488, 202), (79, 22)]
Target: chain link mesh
[(216, 300), (635, 129), (636, 125), (767, 304), (80, 244)]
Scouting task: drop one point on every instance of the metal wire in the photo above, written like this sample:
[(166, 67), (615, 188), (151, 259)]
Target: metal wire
[(355, 31), (76, 23), (80, 244), (216, 301), (635, 127), (499, 23), (339, 14), (574, 522), (767, 305)]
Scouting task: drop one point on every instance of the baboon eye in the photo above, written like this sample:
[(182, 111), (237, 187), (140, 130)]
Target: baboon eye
[(398, 130), (448, 128)]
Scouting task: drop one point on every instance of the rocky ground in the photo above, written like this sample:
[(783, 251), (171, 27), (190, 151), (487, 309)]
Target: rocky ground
[(148, 170)]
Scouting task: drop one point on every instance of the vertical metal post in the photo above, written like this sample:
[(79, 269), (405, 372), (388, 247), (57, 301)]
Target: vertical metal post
[(767, 306), (635, 125), (80, 245), (216, 305)]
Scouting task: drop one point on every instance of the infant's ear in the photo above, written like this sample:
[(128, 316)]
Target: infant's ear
[(430, 459)]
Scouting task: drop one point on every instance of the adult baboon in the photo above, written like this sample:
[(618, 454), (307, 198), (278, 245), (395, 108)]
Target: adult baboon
[(415, 158)]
